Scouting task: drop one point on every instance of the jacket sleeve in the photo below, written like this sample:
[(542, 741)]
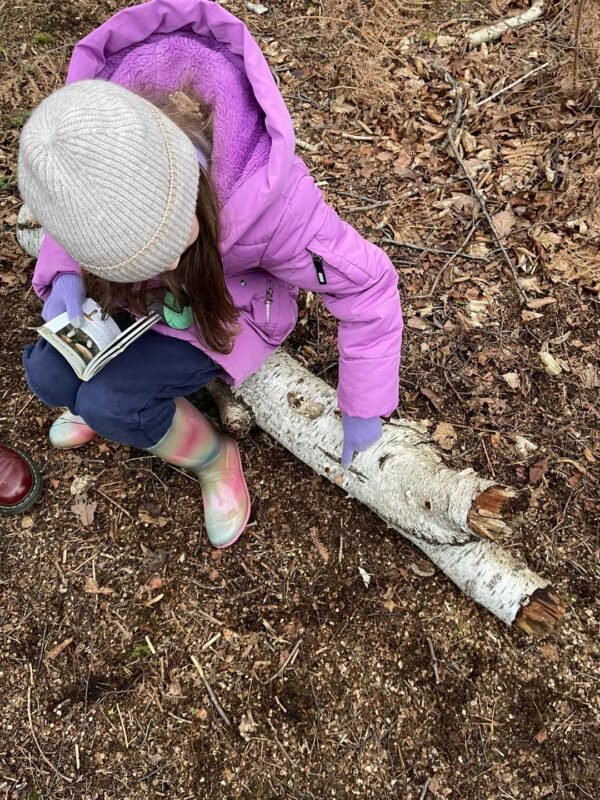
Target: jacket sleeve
[(52, 261), (312, 244)]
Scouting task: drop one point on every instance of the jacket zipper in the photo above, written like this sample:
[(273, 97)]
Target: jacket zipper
[(268, 303), (318, 265)]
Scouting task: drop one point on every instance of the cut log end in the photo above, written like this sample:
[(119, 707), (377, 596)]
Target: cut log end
[(542, 613), (492, 512), (236, 418)]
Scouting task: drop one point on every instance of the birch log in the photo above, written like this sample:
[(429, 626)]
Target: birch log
[(29, 232), (495, 31), (451, 516)]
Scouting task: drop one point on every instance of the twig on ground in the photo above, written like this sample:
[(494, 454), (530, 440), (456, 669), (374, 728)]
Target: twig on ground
[(113, 502), (515, 83), (123, 727), (433, 250), (288, 660), (370, 207), (211, 694), (424, 789), (577, 35), (37, 744), (361, 137), (495, 31), (312, 148), (434, 664), (450, 140), (281, 747), (21, 410), (438, 277)]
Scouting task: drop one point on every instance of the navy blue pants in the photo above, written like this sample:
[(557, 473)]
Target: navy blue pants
[(131, 400)]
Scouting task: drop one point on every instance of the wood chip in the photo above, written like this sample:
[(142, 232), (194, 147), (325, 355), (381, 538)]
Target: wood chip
[(57, 650)]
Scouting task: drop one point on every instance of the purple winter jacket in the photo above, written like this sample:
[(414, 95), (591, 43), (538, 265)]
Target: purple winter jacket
[(278, 233)]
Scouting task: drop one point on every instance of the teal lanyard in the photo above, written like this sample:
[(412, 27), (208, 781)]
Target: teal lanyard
[(175, 315)]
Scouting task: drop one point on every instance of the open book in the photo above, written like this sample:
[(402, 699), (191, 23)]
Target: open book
[(89, 348)]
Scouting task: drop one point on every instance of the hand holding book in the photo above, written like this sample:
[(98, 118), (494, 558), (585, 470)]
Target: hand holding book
[(89, 342), (67, 295)]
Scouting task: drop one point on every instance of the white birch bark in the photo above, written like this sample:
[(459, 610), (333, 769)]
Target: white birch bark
[(401, 478), (29, 232), (495, 31)]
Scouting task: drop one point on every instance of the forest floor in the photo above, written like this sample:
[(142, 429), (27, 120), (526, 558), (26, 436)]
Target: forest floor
[(329, 685)]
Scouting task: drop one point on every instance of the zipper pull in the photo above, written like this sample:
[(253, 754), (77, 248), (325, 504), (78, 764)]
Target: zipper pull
[(268, 301), (318, 262)]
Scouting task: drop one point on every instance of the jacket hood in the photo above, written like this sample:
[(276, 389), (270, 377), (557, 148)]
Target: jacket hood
[(135, 25)]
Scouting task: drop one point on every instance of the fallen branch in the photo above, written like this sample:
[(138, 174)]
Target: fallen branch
[(450, 140), (515, 83), (495, 31), (451, 516), (434, 250)]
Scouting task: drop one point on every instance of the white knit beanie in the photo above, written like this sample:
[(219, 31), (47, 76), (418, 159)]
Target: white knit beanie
[(111, 178)]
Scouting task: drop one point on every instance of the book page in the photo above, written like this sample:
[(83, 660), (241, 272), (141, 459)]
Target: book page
[(91, 346), (116, 347)]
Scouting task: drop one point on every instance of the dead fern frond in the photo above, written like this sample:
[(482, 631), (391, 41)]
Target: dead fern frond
[(320, 547)]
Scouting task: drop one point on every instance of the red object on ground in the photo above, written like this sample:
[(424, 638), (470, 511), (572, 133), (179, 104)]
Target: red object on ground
[(20, 481)]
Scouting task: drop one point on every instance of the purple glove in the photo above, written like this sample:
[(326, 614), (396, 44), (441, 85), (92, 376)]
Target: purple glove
[(359, 434), (68, 294)]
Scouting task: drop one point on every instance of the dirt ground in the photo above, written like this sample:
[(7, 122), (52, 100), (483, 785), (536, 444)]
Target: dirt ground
[(327, 687)]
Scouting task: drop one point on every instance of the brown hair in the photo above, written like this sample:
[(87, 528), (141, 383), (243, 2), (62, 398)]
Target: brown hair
[(199, 280)]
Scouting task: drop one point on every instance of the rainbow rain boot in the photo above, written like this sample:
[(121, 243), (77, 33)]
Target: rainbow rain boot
[(69, 430), (193, 443)]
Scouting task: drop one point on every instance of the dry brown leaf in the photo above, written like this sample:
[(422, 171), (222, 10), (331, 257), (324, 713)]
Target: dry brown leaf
[(153, 559), (513, 379), (504, 222), (590, 377), (540, 302), (434, 398), (549, 651), (91, 586), (444, 435), (537, 471), (418, 324), (247, 727), (589, 456), (551, 365), (85, 509), (149, 519), (541, 735), (529, 316)]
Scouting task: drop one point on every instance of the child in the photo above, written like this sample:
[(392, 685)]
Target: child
[(164, 174)]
